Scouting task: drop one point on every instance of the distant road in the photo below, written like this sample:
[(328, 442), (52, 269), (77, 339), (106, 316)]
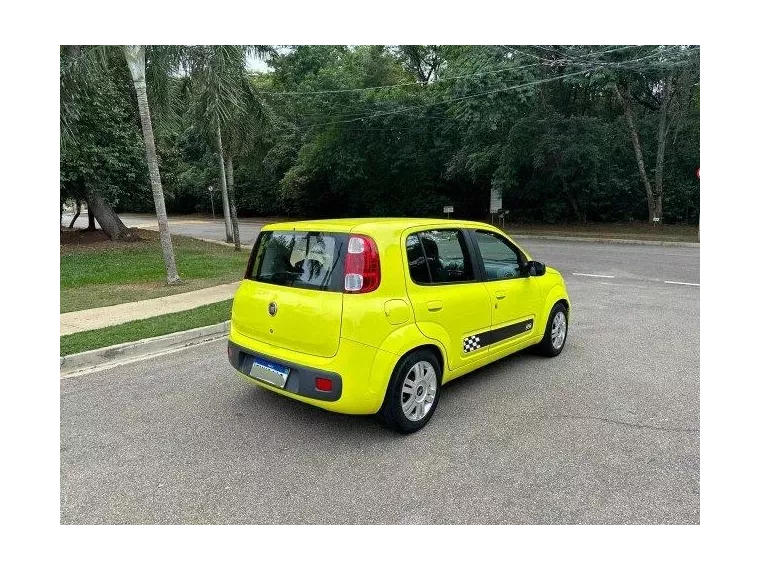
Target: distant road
[(616, 262), (188, 226)]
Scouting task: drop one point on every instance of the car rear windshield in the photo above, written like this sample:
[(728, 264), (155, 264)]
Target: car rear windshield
[(305, 260)]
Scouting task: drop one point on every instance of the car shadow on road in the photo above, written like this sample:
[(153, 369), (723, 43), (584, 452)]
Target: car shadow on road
[(254, 407), (257, 406), (478, 380)]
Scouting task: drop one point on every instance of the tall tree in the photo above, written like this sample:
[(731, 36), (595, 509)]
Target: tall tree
[(135, 57), (228, 108), (228, 224), (654, 88)]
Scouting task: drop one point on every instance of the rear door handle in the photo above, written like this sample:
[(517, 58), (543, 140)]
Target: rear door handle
[(435, 305), (500, 294)]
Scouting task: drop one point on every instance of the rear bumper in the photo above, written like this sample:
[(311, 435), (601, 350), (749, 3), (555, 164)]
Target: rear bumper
[(359, 373), (301, 380)]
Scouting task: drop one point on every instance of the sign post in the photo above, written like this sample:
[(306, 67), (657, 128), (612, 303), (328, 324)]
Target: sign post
[(448, 210), (211, 195), (495, 207)]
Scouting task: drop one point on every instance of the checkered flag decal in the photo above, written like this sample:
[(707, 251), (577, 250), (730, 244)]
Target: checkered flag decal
[(471, 343)]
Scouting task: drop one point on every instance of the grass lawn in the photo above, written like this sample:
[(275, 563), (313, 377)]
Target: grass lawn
[(146, 328), (631, 230), (96, 272)]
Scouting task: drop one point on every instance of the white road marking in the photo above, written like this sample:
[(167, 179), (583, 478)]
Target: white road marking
[(592, 275), (624, 285), (682, 283)]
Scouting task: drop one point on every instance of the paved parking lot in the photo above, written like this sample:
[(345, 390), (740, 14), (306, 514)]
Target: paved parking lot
[(608, 432)]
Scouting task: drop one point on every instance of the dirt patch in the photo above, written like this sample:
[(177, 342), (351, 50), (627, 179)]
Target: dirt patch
[(77, 239)]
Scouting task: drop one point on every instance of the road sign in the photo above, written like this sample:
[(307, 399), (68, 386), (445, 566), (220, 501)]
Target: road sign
[(697, 172), (448, 209), (495, 200)]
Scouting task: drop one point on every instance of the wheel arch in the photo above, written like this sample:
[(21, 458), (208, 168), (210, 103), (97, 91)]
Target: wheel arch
[(394, 348), (435, 349), (557, 294)]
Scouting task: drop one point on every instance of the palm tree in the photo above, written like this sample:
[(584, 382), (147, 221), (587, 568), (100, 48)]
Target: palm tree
[(81, 69), (135, 57), (227, 107)]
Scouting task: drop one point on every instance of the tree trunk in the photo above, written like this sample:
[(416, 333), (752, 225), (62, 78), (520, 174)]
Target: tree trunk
[(580, 216), (135, 56), (109, 221), (223, 181), (233, 206), (90, 219), (76, 214), (662, 133), (625, 101)]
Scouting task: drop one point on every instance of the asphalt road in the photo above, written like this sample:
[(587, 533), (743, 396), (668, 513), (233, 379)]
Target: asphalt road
[(608, 432)]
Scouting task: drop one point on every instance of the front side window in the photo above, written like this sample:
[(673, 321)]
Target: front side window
[(500, 258), (306, 260), (438, 256)]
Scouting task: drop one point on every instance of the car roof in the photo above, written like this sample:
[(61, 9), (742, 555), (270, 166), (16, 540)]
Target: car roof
[(367, 225)]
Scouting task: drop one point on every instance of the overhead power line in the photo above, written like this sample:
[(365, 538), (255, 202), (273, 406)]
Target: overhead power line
[(599, 66), (418, 84)]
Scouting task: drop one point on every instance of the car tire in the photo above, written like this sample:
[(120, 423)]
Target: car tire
[(413, 392), (555, 335)]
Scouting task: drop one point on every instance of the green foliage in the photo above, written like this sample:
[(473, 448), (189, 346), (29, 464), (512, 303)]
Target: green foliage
[(404, 130), (103, 149)]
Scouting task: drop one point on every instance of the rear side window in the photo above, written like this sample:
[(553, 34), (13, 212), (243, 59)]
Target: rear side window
[(305, 260), (438, 256)]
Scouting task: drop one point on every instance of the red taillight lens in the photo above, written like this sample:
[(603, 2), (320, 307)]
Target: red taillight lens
[(362, 268), (323, 384)]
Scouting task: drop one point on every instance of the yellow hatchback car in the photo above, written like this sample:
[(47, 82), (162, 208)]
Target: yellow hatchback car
[(365, 316)]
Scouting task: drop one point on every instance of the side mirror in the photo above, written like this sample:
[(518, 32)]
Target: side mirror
[(535, 269)]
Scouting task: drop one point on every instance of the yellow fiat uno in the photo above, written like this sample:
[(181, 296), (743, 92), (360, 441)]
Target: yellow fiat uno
[(365, 316)]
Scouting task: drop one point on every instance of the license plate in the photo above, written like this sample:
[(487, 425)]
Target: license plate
[(270, 372)]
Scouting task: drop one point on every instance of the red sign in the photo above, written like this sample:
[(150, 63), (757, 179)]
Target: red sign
[(697, 172)]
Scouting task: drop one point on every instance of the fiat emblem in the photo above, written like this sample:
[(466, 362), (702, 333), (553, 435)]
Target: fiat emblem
[(273, 308)]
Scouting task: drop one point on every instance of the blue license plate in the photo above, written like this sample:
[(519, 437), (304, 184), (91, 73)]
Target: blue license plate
[(270, 372)]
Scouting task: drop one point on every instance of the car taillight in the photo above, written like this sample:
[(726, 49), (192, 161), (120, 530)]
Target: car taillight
[(362, 268)]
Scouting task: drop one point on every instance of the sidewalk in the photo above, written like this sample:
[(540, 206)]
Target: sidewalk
[(100, 317)]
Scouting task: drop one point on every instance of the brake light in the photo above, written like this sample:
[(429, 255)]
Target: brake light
[(362, 267)]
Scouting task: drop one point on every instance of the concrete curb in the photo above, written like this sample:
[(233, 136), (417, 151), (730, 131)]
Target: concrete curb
[(109, 356), (216, 241), (606, 240)]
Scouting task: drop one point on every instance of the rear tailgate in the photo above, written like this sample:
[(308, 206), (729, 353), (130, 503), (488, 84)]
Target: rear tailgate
[(292, 296)]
